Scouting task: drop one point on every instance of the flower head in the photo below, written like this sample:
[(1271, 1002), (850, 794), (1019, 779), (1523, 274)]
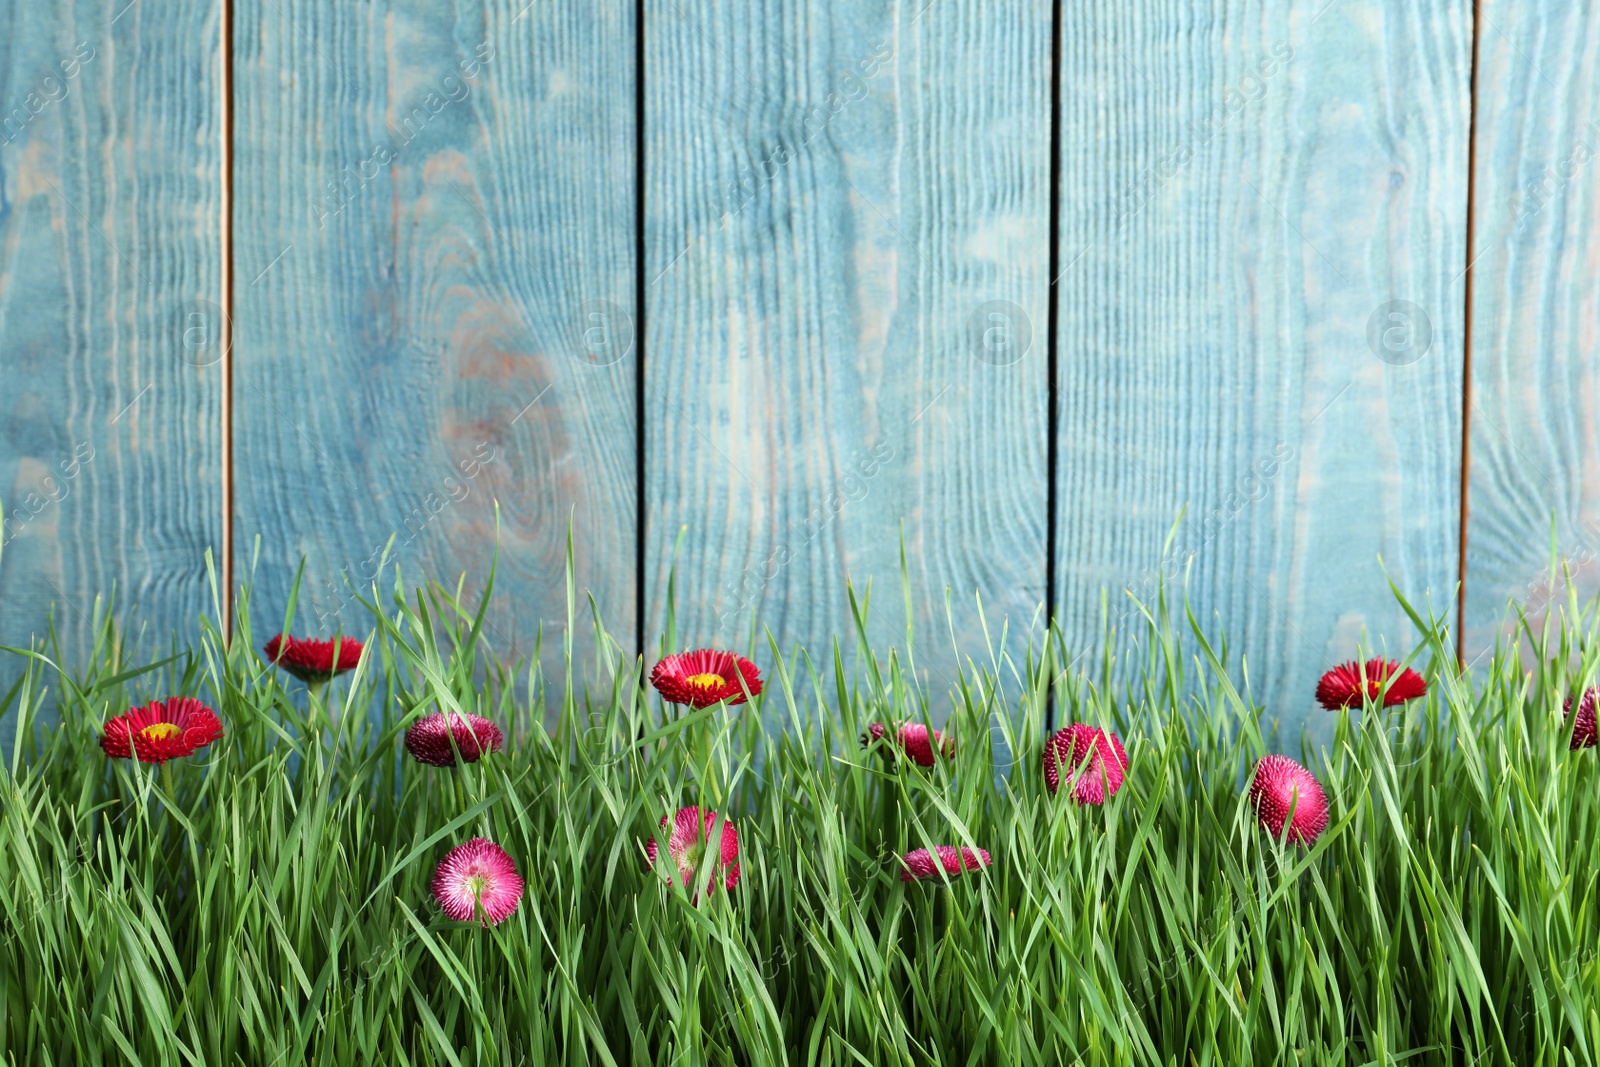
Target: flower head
[(428, 739), (311, 660), (1583, 732), (1095, 757), (912, 738), (478, 873), (702, 678), (161, 730), (919, 864), (1279, 784), (691, 833), (1342, 687)]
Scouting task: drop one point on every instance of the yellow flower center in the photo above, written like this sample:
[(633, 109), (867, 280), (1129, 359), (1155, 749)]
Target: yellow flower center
[(706, 681), (160, 731)]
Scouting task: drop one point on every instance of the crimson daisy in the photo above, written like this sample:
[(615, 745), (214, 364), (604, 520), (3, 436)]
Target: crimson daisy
[(920, 864), (704, 677), (1279, 784), (1583, 731), (912, 738), (1343, 687), (686, 845), (311, 660), (428, 739), (161, 730), (477, 874), (1095, 757)]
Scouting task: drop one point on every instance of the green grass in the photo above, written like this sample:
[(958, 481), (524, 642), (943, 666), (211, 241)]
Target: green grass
[(273, 907)]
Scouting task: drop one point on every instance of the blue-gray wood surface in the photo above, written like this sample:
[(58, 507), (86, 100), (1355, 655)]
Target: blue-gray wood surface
[(844, 342)]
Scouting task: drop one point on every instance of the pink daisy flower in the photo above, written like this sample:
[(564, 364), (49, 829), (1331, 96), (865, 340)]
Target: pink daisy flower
[(311, 660), (920, 864), (1279, 784), (1097, 760), (161, 730), (428, 739), (478, 873), (704, 677), (1342, 687), (691, 834), (1583, 732), (912, 738)]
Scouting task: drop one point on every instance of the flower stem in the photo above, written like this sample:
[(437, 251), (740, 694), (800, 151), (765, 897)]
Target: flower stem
[(166, 783)]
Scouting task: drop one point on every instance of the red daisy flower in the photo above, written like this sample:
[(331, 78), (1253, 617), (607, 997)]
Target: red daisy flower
[(1096, 758), (311, 660), (161, 730), (1584, 733), (702, 678), (1342, 687), (691, 833), (912, 738), (428, 739), (1279, 784), (919, 864), (477, 874)]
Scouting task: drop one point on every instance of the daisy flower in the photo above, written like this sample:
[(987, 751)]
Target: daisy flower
[(311, 660), (691, 833), (1342, 687), (477, 874), (912, 738), (920, 864), (1583, 733), (1279, 784), (428, 739), (161, 730), (704, 677), (1095, 757)]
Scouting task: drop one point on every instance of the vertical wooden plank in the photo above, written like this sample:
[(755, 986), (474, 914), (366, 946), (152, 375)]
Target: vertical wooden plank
[(110, 387), (1248, 190), (847, 218), (1535, 449), (435, 280)]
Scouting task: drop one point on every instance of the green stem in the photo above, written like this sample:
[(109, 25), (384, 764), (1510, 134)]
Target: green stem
[(166, 783)]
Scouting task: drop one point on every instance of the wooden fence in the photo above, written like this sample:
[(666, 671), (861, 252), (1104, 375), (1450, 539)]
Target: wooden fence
[(777, 278)]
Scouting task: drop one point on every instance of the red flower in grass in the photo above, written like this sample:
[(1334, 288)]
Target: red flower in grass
[(1279, 784), (703, 677), (161, 730), (1583, 732), (478, 874), (691, 833), (1342, 687), (912, 738), (920, 864), (1096, 758), (311, 660), (428, 739)]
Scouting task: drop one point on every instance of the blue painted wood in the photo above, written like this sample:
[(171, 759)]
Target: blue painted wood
[(847, 246), (435, 278), (1536, 320), (1245, 190), (110, 386)]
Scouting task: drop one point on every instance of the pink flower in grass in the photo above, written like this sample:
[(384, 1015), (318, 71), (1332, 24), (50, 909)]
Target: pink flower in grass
[(1279, 784), (1343, 687), (478, 874), (704, 677), (691, 833), (161, 730), (1095, 757), (428, 739), (912, 738), (311, 660), (920, 864), (1583, 732)]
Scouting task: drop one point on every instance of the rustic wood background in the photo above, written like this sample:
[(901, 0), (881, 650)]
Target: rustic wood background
[(1261, 283)]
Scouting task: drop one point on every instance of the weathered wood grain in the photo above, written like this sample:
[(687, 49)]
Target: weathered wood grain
[(837, 193), (435, 279), (110, 390), (1243, 186), (1535, 450)]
